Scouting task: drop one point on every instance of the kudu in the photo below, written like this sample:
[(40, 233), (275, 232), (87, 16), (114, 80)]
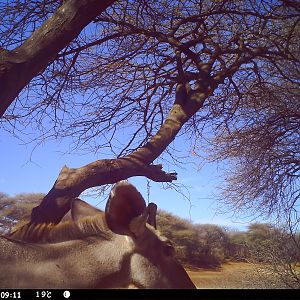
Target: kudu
[(93, 249)]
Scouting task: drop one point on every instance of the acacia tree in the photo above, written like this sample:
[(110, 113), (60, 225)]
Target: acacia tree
[(154, 68), (214, 243), (25, 50), (276, 251), (265, 150)]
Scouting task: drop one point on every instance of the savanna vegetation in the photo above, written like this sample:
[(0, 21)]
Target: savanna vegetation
[(17, 209), (273, 250)]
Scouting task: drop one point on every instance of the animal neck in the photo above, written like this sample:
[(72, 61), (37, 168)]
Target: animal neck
[(114, 256)]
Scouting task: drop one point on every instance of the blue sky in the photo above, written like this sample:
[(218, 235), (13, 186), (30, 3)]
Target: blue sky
[(25, 168)]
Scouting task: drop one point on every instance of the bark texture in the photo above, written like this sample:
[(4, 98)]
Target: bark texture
[(19, 66), (71, 182)]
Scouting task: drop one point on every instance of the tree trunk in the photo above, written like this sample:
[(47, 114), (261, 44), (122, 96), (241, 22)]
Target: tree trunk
[(19, 66), (71, 182)]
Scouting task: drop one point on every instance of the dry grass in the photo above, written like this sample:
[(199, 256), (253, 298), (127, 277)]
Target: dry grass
[(235, 275)]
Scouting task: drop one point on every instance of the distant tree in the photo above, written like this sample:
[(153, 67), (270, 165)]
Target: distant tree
[(5, 222), (16, 209), (183, 234), (214, 243), (277, 251), (198, 245), (237, 246)]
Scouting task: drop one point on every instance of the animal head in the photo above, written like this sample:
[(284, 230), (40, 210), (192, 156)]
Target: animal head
[(152, 262), (126, 241)]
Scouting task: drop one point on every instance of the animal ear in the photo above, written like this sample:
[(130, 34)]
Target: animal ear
[(137, 225), (125, 210), (81, 209)]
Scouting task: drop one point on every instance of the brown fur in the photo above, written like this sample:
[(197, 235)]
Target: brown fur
[(64, 231)]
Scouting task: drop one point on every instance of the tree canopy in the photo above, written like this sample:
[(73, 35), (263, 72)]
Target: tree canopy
[(223, 71)]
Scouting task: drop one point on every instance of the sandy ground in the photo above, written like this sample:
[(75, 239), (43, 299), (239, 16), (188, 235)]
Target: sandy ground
[(234, 275)]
